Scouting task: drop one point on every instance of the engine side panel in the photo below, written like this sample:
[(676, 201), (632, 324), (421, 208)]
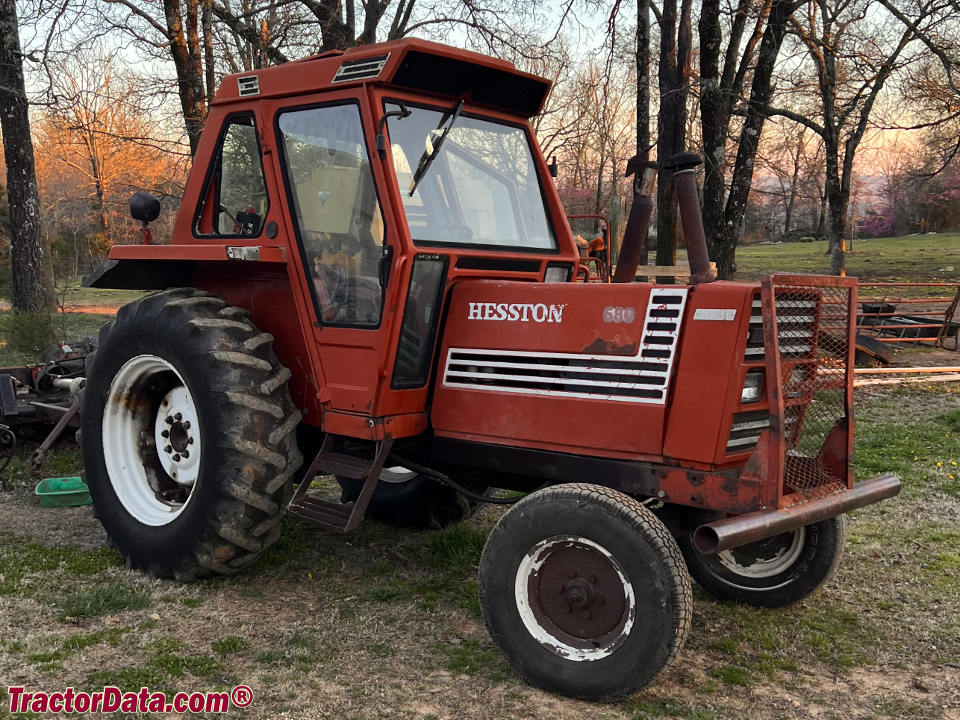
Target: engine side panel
[(710, 374), (570, 367)]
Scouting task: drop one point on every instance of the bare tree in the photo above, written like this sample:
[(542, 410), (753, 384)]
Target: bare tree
[(26, 250), (853, 57), (96, 145), (723, 78), (676, 47)]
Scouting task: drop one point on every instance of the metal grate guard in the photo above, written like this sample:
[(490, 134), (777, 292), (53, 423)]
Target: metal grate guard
[(814, 362)]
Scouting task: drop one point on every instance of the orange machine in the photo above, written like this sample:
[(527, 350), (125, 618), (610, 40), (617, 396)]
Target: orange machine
[(371, 275)]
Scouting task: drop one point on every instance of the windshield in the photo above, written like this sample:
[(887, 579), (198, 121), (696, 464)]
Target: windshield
[(477, 183)]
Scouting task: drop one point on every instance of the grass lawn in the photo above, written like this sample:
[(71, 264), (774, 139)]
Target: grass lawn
[(920, 258)]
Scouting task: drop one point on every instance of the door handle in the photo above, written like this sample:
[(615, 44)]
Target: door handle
[(384, 267)]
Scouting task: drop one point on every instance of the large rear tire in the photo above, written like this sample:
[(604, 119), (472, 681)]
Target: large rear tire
[(774, 572), (585, 592), (188, 435)]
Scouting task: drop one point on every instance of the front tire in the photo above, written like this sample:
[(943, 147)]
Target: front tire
[(774, 572), (188, 435), (585, 592)]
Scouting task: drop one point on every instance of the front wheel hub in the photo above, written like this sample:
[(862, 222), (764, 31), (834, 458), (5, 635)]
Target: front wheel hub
[(574, 598)]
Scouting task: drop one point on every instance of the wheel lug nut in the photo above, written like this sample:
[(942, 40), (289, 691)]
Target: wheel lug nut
[(178, 417), (189, 441), (168, 449), (586, 614), (186, 425), (567, 608), (168, 420), (592, 579), (185, 453), (176, 458), (560, 587), (165, 434), (599, 599), (572, 573)]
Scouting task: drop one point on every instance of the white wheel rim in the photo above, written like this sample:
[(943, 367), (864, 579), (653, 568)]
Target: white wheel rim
[(781, 561), (530, 565), (150, 483), (396, 475)]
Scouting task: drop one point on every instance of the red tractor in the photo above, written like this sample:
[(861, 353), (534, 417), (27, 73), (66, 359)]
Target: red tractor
[(371, 276)]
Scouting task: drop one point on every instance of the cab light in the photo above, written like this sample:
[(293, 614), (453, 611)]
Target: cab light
[(557, 274), (752, 388)]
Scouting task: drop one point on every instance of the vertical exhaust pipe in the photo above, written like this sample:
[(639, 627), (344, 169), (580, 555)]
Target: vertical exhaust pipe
[(635, 234), (683, 167)]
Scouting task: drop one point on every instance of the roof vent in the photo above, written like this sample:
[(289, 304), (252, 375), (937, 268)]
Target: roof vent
[(361, 69), (249, 85)]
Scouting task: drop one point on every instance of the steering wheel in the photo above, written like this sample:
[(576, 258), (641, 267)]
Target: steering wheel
[(457, 230)]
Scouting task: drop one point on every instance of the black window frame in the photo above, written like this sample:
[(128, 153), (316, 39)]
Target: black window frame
[(216, 168), (435, 245), (297, 230), (428, 359)]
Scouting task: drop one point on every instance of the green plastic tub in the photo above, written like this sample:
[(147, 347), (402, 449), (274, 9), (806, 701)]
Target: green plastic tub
[(63, 492)]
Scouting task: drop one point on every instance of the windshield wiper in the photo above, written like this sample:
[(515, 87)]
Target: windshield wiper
[(430, 155)]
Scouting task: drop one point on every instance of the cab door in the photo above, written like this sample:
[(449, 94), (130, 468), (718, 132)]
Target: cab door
[(344, 241)]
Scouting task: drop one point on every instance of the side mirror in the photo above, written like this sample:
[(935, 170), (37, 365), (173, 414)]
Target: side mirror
[(144, 207)]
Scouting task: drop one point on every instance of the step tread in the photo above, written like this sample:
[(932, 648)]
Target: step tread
[(327, 514), (346, 465)]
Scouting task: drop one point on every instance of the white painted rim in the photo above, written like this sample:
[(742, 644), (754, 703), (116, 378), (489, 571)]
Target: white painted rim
[(397, 475), (531, 563), (179, 456), (781, 562), (128, 425)]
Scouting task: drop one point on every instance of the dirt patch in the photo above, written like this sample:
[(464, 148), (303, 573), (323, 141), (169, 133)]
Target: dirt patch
[(21, 514)]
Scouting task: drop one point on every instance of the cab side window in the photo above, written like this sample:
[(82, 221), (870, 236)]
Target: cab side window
[(337, 211), (235, 201)]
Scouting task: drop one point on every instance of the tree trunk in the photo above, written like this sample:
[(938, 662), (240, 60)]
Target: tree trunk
[(336, 34), (794, 185), (26, 249), (674, 74), (186, 53), (822, 215), (643, 99), (760, 93), (714, 124)]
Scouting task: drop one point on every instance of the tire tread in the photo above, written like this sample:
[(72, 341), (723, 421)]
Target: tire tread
[(256, 483)]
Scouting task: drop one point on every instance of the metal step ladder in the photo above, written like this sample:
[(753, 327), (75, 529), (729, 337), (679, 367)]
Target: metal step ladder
[(335, 516)]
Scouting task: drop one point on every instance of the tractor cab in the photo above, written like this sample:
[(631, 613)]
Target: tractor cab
[(379, 177)]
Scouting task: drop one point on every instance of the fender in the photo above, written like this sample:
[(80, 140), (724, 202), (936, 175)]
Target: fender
[(157, 267)]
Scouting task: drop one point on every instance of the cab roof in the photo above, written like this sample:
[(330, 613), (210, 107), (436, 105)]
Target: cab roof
[(411, 64)]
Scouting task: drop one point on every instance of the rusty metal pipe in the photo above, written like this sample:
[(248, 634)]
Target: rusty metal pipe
[(682, 165), (743, 529), (635, 234)]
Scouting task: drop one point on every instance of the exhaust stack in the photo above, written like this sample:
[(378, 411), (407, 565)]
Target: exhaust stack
[(638, 222), (743, 529), (682, 165)]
